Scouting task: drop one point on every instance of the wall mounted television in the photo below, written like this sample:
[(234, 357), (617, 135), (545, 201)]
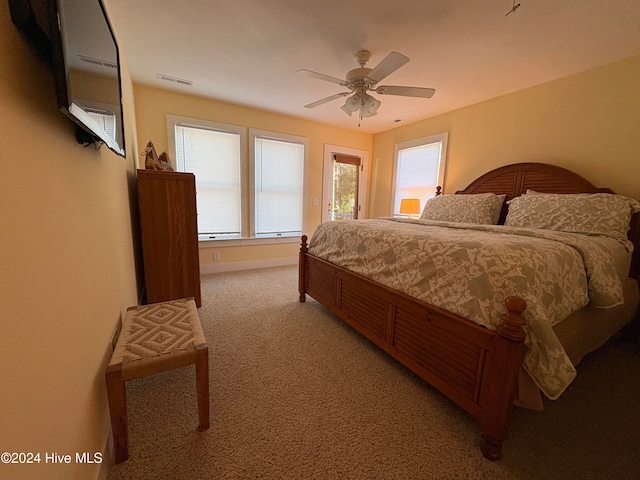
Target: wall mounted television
[(76, 39)]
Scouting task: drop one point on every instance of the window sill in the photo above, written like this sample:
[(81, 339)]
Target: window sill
[(234, 242)]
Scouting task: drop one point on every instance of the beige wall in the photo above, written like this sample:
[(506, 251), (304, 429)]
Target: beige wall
[(152, 107), (588, 123), (67, 268)]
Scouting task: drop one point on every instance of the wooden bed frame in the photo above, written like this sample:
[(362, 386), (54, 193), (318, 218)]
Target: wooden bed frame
[(475, 367)]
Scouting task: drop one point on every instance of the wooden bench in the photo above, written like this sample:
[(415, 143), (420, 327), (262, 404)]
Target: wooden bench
[(155, 338)]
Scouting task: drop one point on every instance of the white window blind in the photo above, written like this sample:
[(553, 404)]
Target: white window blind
[(419, 170), (106, 120), (279, 183), (214, 157)]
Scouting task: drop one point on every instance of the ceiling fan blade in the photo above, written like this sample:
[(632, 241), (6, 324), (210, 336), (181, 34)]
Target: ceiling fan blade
[(327, 99), (405, 91), (322, 76), (387, 66)]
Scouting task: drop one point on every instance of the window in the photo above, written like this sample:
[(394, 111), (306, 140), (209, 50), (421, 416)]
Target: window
[(277, 173), (213, 153), (240, 196), (106, 121), (419, 169)]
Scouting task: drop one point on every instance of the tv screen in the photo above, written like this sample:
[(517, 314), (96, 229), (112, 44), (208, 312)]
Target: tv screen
[(83, 53)]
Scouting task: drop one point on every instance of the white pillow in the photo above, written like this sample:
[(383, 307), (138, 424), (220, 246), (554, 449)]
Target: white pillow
[(604, 214), (481, 208)]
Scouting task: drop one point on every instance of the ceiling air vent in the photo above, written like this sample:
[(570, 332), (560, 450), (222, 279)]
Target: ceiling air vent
[(171, 79), (97, 61)]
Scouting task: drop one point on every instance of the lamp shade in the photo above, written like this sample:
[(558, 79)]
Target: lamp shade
[(410, 206)]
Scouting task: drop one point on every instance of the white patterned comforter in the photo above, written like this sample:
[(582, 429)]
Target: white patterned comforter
[(470, 269)]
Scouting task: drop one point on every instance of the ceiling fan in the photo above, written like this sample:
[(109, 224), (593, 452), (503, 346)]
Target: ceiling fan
[(361, 80)]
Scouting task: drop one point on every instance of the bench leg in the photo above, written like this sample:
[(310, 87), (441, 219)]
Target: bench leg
[(202, 385), (117, 396)]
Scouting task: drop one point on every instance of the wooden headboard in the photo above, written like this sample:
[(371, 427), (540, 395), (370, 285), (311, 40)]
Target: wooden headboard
[(514, 180)]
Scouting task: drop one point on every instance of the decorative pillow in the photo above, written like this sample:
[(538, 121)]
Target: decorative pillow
[(481, 208), (590, 213)]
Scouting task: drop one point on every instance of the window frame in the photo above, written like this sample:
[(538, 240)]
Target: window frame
[(282, 137), (175, 120), (439, 137), (247, 172)]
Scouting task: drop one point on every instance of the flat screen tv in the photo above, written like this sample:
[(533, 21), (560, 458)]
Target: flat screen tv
[(76, 39)]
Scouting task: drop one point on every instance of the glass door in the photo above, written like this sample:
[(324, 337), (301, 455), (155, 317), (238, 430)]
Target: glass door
[(345, 176), (344, 203)]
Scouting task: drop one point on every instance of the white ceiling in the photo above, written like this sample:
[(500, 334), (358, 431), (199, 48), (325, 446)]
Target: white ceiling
[(247, 51)]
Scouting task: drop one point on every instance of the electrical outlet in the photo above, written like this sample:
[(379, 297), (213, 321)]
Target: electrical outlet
[(216, 256)]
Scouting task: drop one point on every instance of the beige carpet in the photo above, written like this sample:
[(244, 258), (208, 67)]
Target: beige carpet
[(297, 394)]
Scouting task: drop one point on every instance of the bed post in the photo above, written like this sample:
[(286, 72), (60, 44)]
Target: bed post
[(504, 378), (302, 269)]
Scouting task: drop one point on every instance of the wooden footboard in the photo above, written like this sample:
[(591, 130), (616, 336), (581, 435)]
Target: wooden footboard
[(475, 367)]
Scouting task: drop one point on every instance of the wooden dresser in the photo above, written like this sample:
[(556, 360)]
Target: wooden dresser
[(168, 222)]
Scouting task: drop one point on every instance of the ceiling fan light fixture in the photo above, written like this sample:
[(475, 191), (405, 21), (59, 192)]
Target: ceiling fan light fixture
[(370, 106), (351, 104), (345, 109), (367, 113)]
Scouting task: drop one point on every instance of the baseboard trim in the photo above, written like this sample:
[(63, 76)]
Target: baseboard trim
[(248, 265)]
